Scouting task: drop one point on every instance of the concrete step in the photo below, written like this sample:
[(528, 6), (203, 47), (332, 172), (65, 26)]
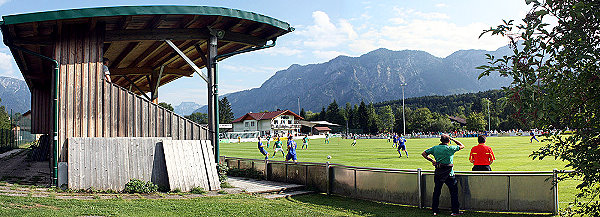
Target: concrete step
[(262, 186), (286, 194)]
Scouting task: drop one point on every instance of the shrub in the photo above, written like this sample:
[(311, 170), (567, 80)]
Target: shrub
[(226, 185), (139, 186), (222, 170), (248, 173), (197, 190)]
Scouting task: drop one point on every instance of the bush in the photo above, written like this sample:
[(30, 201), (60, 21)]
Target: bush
[(139, 186), (197, 190), (222, 170), (226, 185), (248, 173)]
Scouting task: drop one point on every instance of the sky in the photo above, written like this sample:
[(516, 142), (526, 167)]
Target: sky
[(324, 29)]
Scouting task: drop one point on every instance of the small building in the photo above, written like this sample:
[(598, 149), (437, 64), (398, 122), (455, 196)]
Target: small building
[(321, 130), (280, 122), (459, 120)]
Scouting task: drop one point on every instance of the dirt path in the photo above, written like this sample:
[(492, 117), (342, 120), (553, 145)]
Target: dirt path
[(17, 169)]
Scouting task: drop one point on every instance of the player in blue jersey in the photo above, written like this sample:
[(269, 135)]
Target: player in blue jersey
[(395, 139), (291, 148), (532, 134), (262, 150), (402, 146)]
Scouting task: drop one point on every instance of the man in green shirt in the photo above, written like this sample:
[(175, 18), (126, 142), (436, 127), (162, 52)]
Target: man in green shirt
[(278, 148), (444, 155)]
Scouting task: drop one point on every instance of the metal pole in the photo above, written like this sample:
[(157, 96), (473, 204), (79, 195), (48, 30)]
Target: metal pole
[(212, 94), (555, 190), (327, 172), (489, 118), (12, 132), (403, 118), (419, 188)]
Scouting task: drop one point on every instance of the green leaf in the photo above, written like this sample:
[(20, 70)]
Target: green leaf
[(541, 13), (531, 1)]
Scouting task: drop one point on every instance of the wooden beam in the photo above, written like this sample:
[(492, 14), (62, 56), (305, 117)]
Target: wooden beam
[(147, 53), (179, 35), (124, 22), (149, 71), (136, 87), (115, 63), (154, 22)]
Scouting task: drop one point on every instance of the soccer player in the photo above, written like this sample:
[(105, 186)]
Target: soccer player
[(277, 148), (444, 155), (402, 146), (326, 138), (532, 137), (268, 140), (305, 142), (481, 155), (395, 141), (354, 142), (262, 149), (291, 148)]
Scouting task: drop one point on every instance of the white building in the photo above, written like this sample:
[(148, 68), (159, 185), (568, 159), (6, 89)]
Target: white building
[(282, 122)]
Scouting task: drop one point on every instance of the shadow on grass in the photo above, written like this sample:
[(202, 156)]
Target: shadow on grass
[(370, 208)]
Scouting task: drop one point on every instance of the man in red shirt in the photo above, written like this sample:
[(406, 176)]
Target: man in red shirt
[(481, 156)]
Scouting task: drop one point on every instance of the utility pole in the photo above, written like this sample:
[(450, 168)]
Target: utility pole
[(403, 117), (298, 105), (489, 118)]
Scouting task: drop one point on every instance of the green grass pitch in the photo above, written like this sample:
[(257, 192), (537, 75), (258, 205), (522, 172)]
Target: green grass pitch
[(512, 154)]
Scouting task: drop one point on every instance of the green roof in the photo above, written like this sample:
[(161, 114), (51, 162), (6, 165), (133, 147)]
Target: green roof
[(142, 10)]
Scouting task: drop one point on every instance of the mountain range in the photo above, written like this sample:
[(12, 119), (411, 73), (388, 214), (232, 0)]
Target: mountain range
[(372, 77), (186, 108), (14, 95)]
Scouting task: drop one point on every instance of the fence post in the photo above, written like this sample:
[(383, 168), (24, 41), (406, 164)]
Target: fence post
[(327, 171), (266, 169), (419, 183), (555, 189)]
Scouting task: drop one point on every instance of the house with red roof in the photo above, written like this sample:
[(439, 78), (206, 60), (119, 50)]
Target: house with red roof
[(282, 122)]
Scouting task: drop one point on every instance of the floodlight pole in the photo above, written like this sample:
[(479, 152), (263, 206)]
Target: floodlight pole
[(489, 118), (403, 118), (213, 94)]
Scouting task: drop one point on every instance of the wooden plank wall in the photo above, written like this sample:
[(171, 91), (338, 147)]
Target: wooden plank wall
[(92, 107), (191, 163), (109, 163), (41, 111)]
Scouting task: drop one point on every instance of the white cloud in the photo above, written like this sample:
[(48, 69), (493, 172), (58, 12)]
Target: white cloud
[(412, 13), (324, 34), (7, 66), (431, 32), (441, 5), (249, 69), (3, 2), (281, 51)]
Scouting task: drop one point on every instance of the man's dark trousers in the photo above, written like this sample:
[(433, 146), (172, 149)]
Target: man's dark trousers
[(451, 183)]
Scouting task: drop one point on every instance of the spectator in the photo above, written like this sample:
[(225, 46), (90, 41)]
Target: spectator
[(481, 155), (444, 155)]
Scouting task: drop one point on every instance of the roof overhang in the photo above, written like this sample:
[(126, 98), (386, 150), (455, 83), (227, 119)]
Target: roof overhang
[(134, 38)]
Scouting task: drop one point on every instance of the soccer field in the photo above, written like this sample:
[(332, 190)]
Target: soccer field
[(512, 154)]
